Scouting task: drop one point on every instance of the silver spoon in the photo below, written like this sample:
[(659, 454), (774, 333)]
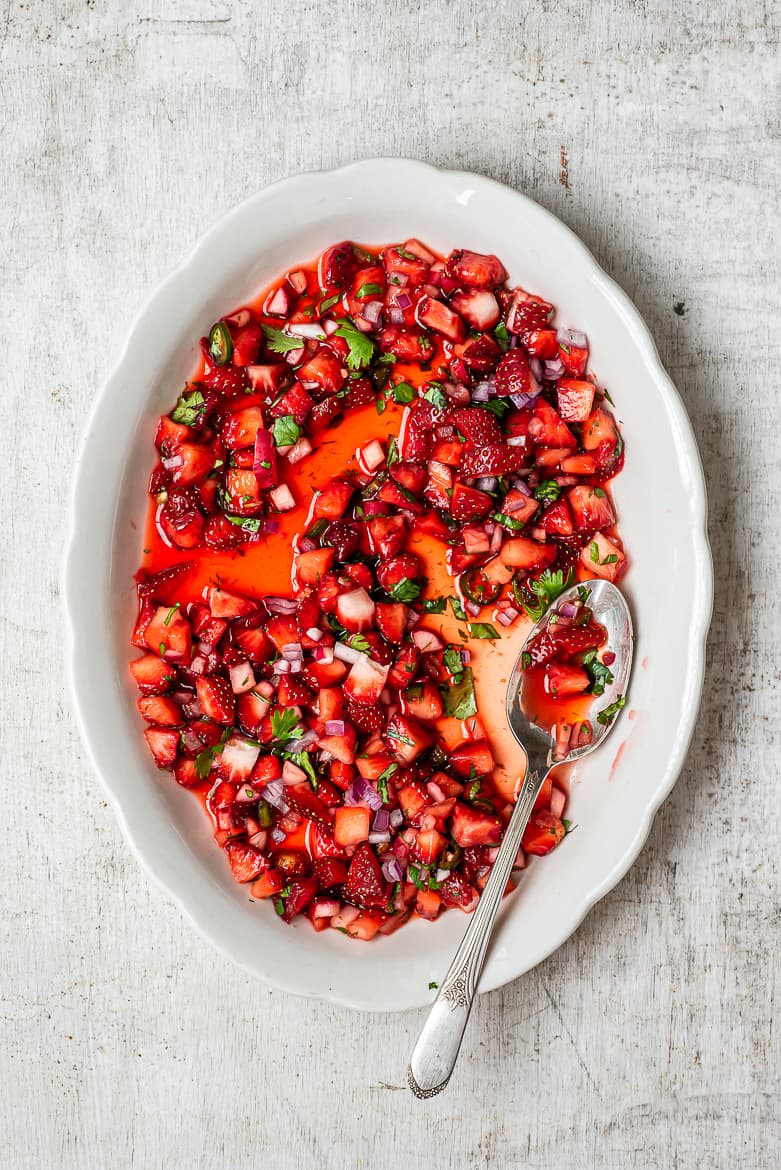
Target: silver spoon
[(434, 1056)]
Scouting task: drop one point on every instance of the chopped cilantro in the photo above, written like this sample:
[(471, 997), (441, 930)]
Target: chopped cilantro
[(382, 782), (189, 408), (502, 336), (458, 609), (497, 406), (279, 342), (329, 302), (508, 522), (434, 605), (482, 630), (361, 348), (593, 552), (205, 758), (607, 395), (246, 523), (403, 393), (171, 613), (358, 642), (607, 716), (380, 404), (386, 359), (286, 431), (304, 761), (546, 588), (405, 590), (368, 290), (599, 492), (407, 255), (611, 560), (452, 660), (584, 593), (459, 700), (436, 396), (433, 986), (285, 725), (547, 490), (473, 791), (526, 660), (599, 673), (393, 453), (391, 733)]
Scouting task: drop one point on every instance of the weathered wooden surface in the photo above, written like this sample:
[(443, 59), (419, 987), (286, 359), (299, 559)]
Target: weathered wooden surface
[(649, 1039)]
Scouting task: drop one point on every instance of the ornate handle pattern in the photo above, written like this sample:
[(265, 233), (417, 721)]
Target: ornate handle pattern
[(434, 1056)]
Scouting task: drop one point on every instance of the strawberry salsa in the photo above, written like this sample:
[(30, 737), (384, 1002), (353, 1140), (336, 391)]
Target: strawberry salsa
[(380, 467)]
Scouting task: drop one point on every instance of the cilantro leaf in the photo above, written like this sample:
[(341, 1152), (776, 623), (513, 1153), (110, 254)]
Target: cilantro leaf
[(368, 290), (508, 522), (205, 758), (593, 552), (358, 642), (497, 406), (286, 431), (188, 409), (285, 725), (502, 336), (459, 699), (329, 302), (436, 396), (279, 342), (546, 588), (547, 490), (393, 453), (382, 782), (453, 661), (600, 676), (246, 523), (482, 630), (403, 393), (360, 346), (607, 716), (458, 609), (405, 590), (304, 760), (434, 605)]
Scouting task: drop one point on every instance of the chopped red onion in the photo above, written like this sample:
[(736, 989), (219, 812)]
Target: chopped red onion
[(535, 365), (297, 280), (282, 666), (400, 848), (568, 610), (398, 278), (280, 604), (487, 483), (276, 834), (381, 822), (396, 316), (191, 741), (314, 633), (265, 690), (444, 431), (426, 640), (372, 311), (246, 794), (282, 497), (173, 462), (259, 839), (558, 801), (292, 650), (497, 536), (347, 653), (379, 838), (273, 795), (434, 791), (306, 545), (306, 741), (264, 460), (327, 908), (482, 391), (516, 440), (330, 326), (346, 915), (396, 818), (572, 337), (372, 455), (324, 654), (242, 678), (566, 480), (311, 329), (334, 727), (392, 870), (554, 369), (299, 451), (522, 400), (404, 301), (239, 319), (466, 657), (473, 608), (364, 791), (506, 617), (271, 527), (458, 394)]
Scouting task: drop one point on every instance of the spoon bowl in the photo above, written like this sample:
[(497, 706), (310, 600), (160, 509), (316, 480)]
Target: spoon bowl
[(434, 1056), (610, 609)]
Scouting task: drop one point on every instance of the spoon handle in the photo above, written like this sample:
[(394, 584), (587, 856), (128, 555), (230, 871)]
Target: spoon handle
[(434, 1056)]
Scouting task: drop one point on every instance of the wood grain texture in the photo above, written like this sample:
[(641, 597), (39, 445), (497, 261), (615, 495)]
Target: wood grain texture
[(653, 129)]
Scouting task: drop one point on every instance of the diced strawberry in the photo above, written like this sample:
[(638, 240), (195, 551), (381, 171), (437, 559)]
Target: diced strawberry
[(246, 862), (279, 302), (579, 465), (409, 476), (599, 427), (609, 561), (549, 458), (437, 316), (480, 308), (355, 610), (240, 428), (407, 738), (391, 618), (591, 508), (297, 401), (422, 701), (181, 521), (247, 341), (408, 345), (332, 500), (405, 667), (282, 629), (393, 573), (253, 643), (359, 574), (163, 745), (227, 380), (365, 926), (294, 863), (229, 605), (557, 641), (562, 678), (428, 846), (518, 506), (244, 491), (325, 674), (222, 536), (472, 826), (294, 692), (341, 747), (543, 833), (469, 503), (336, 266), (168, 634), (491, 459), (513, 375), (574, 358), (557, 519), (391, 493), (428, 904), (351, 825), (325, 369), (448, 451), (541, 343), (478, 426), (547, 429), (365, 884), (160, 711), (301, 894), (330, 871), (312, 566), (196, 463), (269, 884), (478, 354), (185, 773), (575, 399), (472, 758), (216, 698), (475, 270), (401, 259), (307, 803), (152, 675), (170, 435), (323, 413), (455, 890), (519, 552), (366, 681), (267, 379)]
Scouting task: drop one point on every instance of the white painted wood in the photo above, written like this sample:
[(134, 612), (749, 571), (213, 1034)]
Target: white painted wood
[(648, 1040)]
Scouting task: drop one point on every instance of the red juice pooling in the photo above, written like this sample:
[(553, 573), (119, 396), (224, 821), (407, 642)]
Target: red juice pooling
[(381, 469)]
